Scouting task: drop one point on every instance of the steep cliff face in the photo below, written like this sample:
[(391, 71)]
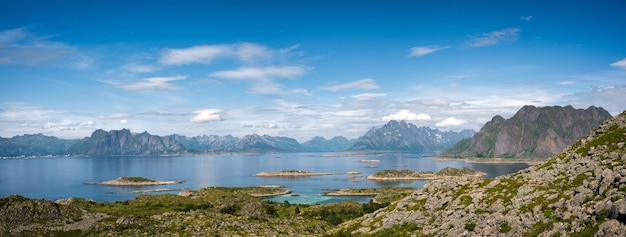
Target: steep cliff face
[(579, 192), (123, 142), (533, 132), (403, 136)]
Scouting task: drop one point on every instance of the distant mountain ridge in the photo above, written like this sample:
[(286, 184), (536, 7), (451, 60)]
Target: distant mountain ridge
[(123, 142), (320, 144), (403, 136), (533, 132)]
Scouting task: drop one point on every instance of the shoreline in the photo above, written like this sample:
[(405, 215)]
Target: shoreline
[(299, 173), (533, 161), (425, 177)]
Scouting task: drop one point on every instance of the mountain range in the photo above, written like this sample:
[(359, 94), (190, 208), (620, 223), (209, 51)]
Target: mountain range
[(124, 142), (533, 132)]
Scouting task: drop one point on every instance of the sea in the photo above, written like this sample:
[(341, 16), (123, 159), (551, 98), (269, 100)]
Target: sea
[(55, 178)]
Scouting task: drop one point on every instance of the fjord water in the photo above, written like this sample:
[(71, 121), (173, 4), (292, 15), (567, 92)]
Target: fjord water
[(62, 177)]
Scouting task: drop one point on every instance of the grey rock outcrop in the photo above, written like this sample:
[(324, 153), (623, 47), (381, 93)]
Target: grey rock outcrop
[(581, 190), (533, 132)]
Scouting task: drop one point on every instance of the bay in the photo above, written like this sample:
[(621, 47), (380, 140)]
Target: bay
[(62, 177)]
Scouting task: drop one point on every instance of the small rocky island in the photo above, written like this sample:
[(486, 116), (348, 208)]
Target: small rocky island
[(298, 173), (393, 175), (135, 181)]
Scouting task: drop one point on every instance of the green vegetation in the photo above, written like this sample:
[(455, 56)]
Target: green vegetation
[(135, 179)]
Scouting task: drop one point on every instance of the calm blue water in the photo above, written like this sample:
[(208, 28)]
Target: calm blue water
[(56, 178)]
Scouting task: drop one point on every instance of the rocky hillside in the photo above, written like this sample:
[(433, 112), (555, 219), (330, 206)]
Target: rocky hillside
[(321, 144), (533, 132), (403, 136), (123, 142), (579, 192)]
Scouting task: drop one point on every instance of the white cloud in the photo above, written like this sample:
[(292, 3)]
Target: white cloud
[(451, 122), (526, 18), (207, 115), (247, 73), (406, 115), (567, 83), (366, 84), (196, 54), (205, 54), (494, 37), (423, 50), (368, 96), (620, 64), (124, 121), (153, 83)]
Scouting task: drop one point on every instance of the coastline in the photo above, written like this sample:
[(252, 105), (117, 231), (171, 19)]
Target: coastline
[(433, 176), (532, 161)]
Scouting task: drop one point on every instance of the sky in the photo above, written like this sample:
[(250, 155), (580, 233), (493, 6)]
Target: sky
[(300, 69)]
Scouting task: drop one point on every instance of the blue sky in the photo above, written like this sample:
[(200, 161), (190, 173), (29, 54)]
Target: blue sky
[(300, 68)]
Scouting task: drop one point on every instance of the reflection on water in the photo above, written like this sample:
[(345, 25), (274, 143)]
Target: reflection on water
[(55, 178)]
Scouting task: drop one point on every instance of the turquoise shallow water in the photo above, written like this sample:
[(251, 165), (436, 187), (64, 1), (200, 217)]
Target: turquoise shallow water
[(56, 178)]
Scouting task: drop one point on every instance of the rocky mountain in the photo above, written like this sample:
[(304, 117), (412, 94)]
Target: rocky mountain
[(403, 136), (34, 145), (256, 143), (579, 192), (208, 143), (123, 142), (533, 132), (320, 144)]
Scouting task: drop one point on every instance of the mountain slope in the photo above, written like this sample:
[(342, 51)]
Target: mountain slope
[(533, 132), (338, 143), (580, 192), (34, 145), (403, 136), (123, 142)]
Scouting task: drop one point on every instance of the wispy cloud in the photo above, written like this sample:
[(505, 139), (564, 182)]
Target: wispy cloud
[(406, 115), (255, 73), (567, 83), (423, 50), (494, 37), (207, 115), (620, 64), (19, 46), (526, 18), (368, 96), (153, 83), (366, 84), (206, 54), (140, 68)]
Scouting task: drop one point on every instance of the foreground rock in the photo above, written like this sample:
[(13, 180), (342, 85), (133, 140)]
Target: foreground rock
[(135, 181), (580, 192), (448, 172)]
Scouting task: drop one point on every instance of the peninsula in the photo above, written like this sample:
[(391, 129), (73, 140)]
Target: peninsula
[(394, 175), (135, 181), (298, 173)]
